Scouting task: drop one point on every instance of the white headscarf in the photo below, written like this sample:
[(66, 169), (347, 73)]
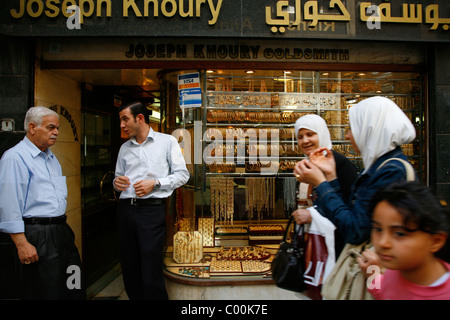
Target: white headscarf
[(378, 126), (316, 124)]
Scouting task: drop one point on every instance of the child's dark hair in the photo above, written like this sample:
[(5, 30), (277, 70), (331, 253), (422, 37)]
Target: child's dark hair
[(419, 205)]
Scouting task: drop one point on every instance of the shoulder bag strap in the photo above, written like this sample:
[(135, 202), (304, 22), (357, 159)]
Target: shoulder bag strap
[(410, 175)]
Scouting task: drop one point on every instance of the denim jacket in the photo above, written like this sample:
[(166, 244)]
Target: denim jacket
[(352, 219)]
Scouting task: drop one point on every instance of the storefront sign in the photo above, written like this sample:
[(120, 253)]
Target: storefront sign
[(232, 52), (99, 8), (372, 13), (226, 50), (410, 20)]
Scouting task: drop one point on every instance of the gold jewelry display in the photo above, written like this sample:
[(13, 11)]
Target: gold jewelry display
[(344, 87), (259, 197), (407, 86), (225, 266), (369, 86), (251, 85), (206, 228), (187, 247), (231, 230), (222, 167), (265, 228), (263, 86), (185, 224), (255, 266), (222, 198), (242, 253), (224, 134), (261, 116), (230, 267), (347, 150)]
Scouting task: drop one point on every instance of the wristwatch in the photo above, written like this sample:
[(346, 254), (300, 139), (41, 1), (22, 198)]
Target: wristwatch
[(157, 185)]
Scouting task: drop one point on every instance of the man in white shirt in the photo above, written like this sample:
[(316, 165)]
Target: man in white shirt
[(150, 166)]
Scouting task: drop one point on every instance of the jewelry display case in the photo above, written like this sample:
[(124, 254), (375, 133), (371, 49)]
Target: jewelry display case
[(242, 189)]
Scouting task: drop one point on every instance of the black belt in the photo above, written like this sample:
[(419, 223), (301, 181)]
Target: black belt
[(46, 220), (143, 202)]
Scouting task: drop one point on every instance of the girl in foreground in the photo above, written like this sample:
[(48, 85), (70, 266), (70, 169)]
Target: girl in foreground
[(409, 231)]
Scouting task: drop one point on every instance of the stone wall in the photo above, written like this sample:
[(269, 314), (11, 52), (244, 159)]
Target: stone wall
[(64, 96)]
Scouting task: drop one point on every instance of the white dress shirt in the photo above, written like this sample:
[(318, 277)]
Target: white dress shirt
[(158, 157)]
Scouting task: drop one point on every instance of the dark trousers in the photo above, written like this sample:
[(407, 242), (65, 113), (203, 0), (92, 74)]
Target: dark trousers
[(58, 273), (142, 230)]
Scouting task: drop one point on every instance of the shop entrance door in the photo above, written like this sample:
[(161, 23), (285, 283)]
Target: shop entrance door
[(99, 146)]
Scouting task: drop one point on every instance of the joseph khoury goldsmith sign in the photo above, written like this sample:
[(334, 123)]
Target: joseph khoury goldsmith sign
[(337, 19)]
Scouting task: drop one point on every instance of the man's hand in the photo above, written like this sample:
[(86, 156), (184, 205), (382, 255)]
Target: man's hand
[(144, 187), (26, 251), (122, 183)]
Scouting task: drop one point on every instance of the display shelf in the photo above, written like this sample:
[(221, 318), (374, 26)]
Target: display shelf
[(224, 264), (235, 108)]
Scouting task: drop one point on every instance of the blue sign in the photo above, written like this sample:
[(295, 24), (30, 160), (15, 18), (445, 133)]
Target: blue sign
[(189, 89)]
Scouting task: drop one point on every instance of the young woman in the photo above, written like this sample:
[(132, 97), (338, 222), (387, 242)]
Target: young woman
[(312, 133)]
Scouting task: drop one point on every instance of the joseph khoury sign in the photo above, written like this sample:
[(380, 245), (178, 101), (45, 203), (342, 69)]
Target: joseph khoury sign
[(413, 20)]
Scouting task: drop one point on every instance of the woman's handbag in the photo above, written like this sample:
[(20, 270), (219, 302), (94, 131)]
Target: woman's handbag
[(346, 281), (288, 265)]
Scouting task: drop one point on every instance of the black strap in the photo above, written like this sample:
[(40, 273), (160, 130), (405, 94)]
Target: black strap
[(297, 232)]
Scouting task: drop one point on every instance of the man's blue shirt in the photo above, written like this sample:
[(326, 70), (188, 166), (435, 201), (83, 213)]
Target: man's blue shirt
[(31, 185)]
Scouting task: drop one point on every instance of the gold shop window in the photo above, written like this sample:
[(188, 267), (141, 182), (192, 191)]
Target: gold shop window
[(243, 147)]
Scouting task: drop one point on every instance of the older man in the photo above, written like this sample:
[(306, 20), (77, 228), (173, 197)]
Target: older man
[(33, 202)]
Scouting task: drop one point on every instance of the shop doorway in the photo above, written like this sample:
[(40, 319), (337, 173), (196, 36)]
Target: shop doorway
[(101, 139)]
